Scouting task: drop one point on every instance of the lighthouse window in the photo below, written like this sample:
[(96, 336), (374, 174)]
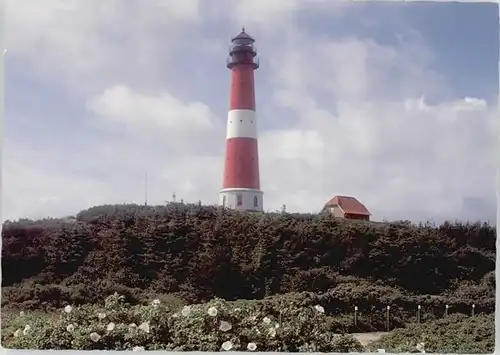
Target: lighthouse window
[(255, 201), (239, 200), (223, 201)]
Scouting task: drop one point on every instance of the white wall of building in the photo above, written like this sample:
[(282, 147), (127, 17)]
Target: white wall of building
[(248, 197)]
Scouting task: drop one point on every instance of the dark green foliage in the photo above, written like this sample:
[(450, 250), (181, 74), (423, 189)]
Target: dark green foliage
[(457, 334), (199, 252)]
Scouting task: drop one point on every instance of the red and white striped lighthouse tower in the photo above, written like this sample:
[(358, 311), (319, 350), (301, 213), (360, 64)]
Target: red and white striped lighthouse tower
[(241, 181)]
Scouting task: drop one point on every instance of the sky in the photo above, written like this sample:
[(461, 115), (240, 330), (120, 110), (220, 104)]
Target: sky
[(392, 103)]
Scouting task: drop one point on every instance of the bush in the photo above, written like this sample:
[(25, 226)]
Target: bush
[(288, 326), (211, 326), (456, 333), (200, 250), (286, 263)]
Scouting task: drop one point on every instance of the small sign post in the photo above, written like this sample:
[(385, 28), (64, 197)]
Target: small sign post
[(387, 318)]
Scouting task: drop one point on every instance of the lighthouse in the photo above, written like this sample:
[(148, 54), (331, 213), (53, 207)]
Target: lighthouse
[(241, 181)]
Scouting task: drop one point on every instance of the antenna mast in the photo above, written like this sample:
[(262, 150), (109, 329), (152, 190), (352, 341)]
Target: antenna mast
[(145, 188)]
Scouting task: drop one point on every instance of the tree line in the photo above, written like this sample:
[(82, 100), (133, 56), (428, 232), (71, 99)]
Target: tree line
[(201, 252)]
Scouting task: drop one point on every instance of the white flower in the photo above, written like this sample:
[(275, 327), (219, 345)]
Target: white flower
[(155, 303), (26, 329), (144, 327), (236, 309), (132, 326), (227, 345), (272, 332), (421, 347), (212, 311), (101, 315), (319, 308), (266, 320), (138, 348), (225, 326), (381, 350), (95, 337), (186, 310), (70, 328), (17, 333), (68, 309), (253, 318), (21, 313), (110, 327), (251, 346), (277, 325), (256, 330)]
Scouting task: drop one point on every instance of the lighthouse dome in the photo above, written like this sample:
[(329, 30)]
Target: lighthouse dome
[(243, 38)]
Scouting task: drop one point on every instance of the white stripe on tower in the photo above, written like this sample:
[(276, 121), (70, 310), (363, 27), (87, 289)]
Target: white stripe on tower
[(241, 182)]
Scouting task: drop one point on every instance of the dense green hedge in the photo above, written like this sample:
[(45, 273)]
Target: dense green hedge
[(200, 252)]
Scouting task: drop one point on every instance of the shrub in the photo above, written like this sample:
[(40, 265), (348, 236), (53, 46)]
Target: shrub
[(191, 248), (212, 326), (456, 333)]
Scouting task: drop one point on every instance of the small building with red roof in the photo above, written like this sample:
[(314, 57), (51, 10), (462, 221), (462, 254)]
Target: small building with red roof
[(347, 207)]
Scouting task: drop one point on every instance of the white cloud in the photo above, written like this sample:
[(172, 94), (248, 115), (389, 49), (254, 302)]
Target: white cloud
[(41, 183), (354, 115), (353, 69), (121, 104), (33, 188), (425, 161), (256, 14), (380, 140), (86, 44), (159, 122), (276, 18)]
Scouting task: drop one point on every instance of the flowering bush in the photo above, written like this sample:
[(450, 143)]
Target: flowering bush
[(213, 326), (456, 333)]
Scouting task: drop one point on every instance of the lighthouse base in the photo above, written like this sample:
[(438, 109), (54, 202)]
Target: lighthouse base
[(242, 199)]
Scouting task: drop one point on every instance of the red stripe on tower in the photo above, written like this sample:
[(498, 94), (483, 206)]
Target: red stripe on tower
[(241, 182)]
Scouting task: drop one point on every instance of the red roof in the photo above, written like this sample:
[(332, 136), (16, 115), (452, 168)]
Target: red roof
[(349, 205)]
